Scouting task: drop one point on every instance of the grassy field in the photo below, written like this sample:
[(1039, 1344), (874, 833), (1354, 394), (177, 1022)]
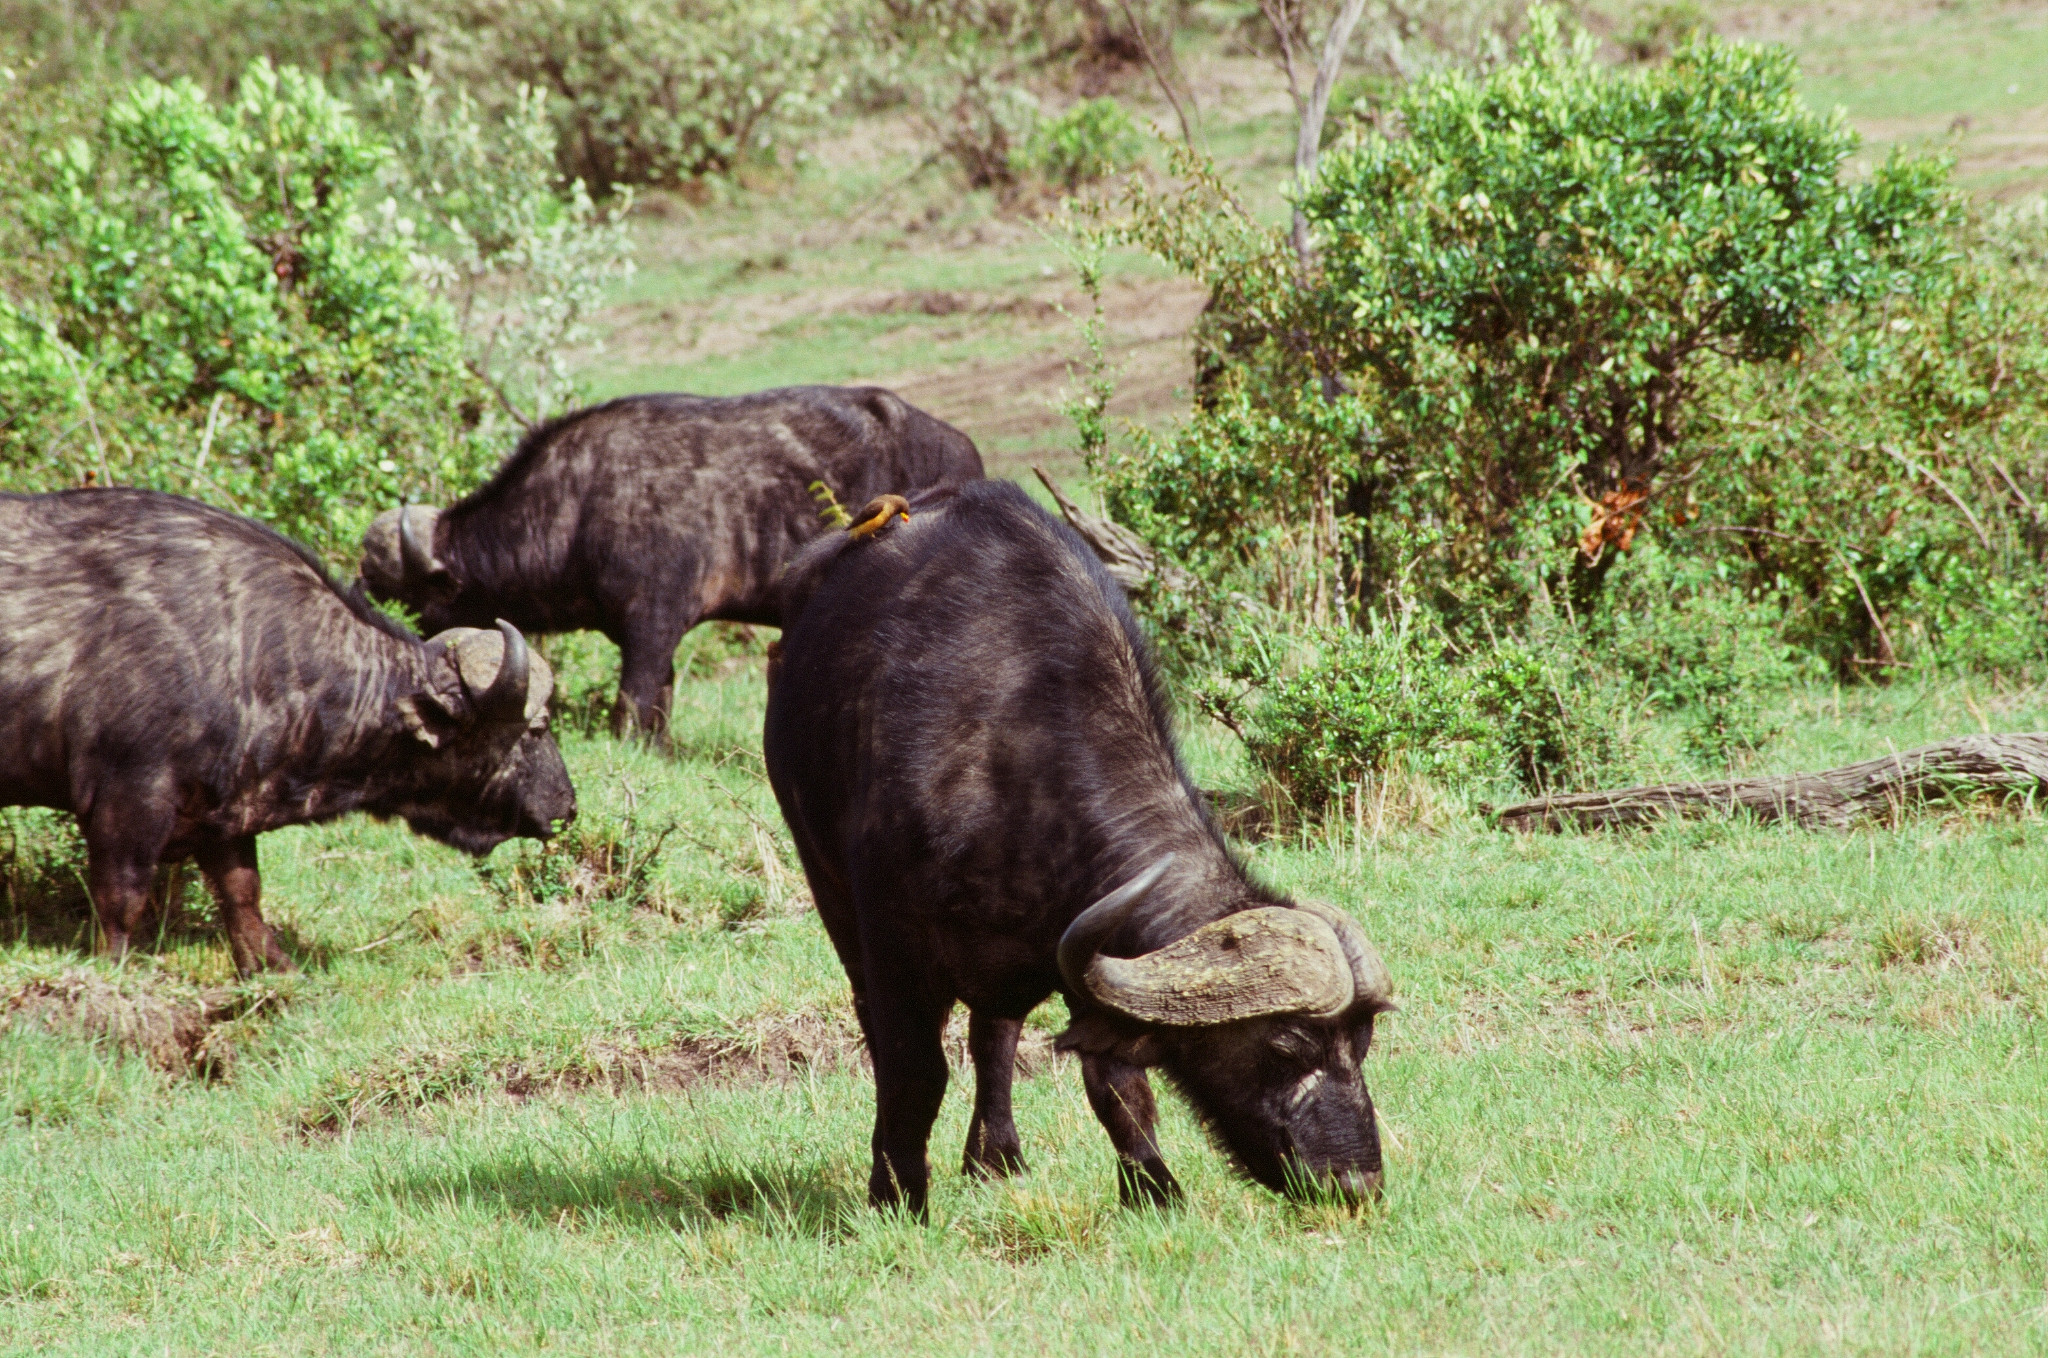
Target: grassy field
[(1710, 1088)]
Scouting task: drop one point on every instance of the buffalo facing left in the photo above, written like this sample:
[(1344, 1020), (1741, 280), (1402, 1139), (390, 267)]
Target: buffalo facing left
[(182, 680)]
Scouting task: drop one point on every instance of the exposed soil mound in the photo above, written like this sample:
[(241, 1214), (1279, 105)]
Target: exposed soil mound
[(177, 1030)]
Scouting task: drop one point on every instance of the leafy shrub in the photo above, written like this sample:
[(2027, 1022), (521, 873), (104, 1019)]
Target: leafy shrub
[(1886, 484), (586, 669), (221, 318), (1349, 709), (1655, 27), (1090, 141), (1523, 311), (956, 65), (643, 91), (1700, 650), (42, 869), (520, 263), (1559, 717), (211, 42)]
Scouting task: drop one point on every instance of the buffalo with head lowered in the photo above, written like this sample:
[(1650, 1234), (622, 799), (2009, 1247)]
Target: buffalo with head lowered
[(967, 739), (182, 680), (644, 516)]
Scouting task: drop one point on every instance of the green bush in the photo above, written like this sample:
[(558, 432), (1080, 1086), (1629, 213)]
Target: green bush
[(643, 91), (1091, 141), (1699, 650), (211, 42), (1887, 483), (218, 316), (520, 260), (1558, 715), (42, 870), (957, 67), (1350, 706), (1525, 310)]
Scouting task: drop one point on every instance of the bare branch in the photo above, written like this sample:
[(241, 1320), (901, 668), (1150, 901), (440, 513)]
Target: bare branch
[(1283, 33), (1308, 145), (1165, 85), (1954, 499)]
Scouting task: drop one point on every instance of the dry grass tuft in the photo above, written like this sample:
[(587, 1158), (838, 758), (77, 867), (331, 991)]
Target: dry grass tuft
[(177, 1029), (1938, 944), (778, 1049)]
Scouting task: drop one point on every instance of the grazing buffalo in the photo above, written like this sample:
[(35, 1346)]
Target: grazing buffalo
[(967, 739), (183, 680), (643, 517)]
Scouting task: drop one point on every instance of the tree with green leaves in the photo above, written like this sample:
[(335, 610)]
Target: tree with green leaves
[(1537, 279)]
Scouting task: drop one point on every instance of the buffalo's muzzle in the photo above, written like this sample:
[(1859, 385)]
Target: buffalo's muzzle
[(1359, 1185)]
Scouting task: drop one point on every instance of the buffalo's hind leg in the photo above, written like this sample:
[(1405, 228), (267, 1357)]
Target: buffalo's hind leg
[(647, 636), (906, 1040), (647, 688), (1121, 1096), (230, 868), (994, 1150)]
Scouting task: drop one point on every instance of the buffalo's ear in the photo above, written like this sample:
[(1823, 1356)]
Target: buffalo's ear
[(420, 723), (1098, 1034), (436, 711)]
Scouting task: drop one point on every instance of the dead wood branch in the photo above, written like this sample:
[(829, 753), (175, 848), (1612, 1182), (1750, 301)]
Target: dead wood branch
[(1830, 798), (1131, 562)]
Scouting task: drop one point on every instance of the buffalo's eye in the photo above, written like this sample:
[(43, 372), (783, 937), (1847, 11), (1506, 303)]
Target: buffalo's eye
[(1297, 1049)]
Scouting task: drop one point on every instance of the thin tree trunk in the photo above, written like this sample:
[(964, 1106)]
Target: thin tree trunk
[(1308, 144), (1830, 798)]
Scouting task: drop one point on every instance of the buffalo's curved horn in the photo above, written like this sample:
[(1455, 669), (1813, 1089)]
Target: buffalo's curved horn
[(415, 558), (505, 699), (1269, 960), (1093, 926), (1369, 976)]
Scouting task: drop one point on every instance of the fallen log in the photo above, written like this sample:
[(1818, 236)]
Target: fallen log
[(1832, 797)]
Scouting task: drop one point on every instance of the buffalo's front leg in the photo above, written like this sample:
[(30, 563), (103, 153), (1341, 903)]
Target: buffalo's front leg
[(906, 1041), (230, 869), (124, 838), (1121, 1096), (120, 896), (993, 1148)]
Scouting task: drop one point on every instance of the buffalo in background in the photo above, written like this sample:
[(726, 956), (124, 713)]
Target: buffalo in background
[(182, 679), (966, 737), (644, 516)]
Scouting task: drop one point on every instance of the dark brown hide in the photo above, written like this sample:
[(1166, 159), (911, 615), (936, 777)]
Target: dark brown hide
[(644, 516), (183, 680), (966, 738)]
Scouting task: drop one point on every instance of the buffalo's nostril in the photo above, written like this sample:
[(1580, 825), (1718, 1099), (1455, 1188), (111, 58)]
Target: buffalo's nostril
[(1360, 1185)]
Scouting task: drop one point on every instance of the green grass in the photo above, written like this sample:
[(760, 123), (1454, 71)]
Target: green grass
[(1965, 77), (1969, 59), (1710, 1088)]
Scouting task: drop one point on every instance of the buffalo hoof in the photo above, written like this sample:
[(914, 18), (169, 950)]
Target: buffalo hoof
[(887, 1194), (1150, 1184), (993, 1162), (266, 955)]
